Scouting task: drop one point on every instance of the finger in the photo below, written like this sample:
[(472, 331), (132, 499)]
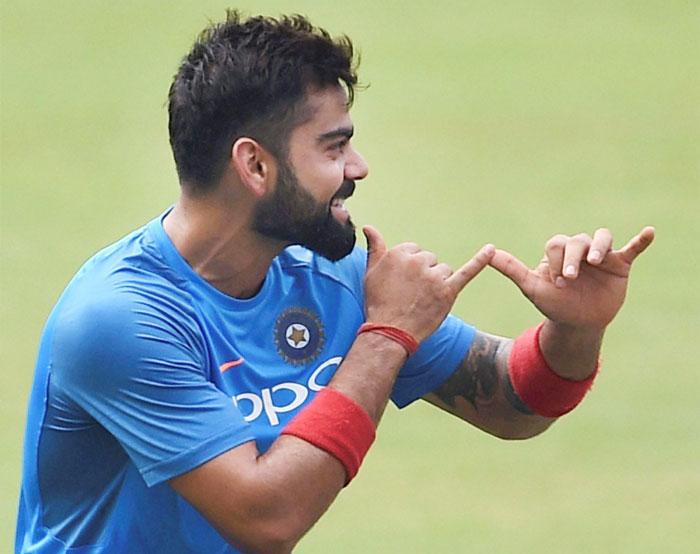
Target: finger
[(554, 255), (429, 258), (459, 279), (408, 247), (443, 270), (638, 244), (376, 247), (575, 251), (510, 266), (600, 246)]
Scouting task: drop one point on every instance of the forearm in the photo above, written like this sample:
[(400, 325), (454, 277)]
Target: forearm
[(549, 370), (368, 372), (276, 497), (480, 392), (309, 477), (571, 352)]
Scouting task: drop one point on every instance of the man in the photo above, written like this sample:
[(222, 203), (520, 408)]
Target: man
[(211, 381)]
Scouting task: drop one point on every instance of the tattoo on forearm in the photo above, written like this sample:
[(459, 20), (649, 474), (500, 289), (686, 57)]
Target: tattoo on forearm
[(476, 379), (514, 399)]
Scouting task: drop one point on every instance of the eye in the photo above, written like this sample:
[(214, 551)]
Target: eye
[(340, 145)]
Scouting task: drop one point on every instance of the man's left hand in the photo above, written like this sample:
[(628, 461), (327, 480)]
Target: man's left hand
[(581, 281)]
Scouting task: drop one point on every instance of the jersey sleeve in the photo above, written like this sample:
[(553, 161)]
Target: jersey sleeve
[(138, 367), (436, 359)]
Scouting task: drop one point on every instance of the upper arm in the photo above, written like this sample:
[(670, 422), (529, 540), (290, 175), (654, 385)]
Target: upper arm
[(480, 392), (139, 372), (264, 503)]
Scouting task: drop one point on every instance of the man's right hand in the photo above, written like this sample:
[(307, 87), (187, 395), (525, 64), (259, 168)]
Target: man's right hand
[(406, 287), (265, 503)]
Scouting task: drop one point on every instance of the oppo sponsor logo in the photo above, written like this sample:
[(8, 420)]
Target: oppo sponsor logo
[(284, 397)]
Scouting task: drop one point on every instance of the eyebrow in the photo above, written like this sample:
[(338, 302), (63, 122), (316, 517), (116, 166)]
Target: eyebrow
[(345, 132)]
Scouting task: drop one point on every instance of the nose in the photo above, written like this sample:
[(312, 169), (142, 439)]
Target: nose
[(356, 167)]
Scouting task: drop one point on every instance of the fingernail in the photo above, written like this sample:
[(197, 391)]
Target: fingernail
[(594, 256), (570, 271), (560, 282)]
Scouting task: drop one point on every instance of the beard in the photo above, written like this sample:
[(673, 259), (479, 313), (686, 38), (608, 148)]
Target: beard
[(294, 216)]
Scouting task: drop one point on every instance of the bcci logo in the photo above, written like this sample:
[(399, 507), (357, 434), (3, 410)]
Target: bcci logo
[(298, 335)]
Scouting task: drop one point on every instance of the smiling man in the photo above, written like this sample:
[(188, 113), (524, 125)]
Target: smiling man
[(210, 382)]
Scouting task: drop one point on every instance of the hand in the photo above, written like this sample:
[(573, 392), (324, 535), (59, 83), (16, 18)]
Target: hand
[(581, 281), (406, 286)]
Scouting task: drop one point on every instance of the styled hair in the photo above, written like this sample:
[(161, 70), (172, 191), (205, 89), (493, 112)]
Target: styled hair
[(249, 77)]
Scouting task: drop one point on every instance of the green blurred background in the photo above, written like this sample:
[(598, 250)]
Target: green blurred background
[(484, 121)]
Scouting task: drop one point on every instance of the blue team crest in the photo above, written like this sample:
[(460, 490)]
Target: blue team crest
[(298, 335)]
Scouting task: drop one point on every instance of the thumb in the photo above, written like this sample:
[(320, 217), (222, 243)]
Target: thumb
[(376, 247)]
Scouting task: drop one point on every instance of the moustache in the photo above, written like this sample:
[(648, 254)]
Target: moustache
[(346, 190)]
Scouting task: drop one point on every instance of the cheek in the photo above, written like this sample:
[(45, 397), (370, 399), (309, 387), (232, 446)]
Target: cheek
[(324, 179)]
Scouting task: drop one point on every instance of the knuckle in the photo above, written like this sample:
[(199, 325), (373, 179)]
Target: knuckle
[(557, 241), (581, 238), (398, 253), (429, 258), (480, 257), (415, 262), (433, 279), (510, 266)]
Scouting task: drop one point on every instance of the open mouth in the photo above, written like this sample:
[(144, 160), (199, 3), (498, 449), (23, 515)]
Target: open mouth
[(338, 209)]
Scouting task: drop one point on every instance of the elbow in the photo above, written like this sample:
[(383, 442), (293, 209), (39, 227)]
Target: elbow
[(264, 541), (517, 436), (261, 540), (266, 530), (519, 431)]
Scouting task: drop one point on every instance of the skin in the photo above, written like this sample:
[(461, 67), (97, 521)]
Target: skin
[(269, 501), (579, 286), (265, 503)]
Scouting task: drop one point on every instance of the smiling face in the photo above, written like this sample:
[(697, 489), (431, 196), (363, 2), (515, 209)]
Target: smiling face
[(307, 204)]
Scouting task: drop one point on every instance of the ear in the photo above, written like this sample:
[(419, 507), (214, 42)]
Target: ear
[(254, 165)]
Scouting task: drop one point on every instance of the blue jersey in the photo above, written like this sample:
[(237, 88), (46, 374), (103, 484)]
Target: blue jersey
[(145, 371)]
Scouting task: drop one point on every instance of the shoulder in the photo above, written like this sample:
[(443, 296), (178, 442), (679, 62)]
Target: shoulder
[(121, 307), (100, 325)]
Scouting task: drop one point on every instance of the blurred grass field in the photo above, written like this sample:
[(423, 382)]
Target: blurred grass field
[(484, 122)]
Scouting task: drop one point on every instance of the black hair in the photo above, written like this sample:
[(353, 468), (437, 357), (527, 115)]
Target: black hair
[(248, 78)]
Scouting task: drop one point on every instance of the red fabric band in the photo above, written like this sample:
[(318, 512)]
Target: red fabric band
[(337, 424), (404, 338), (541, 389)]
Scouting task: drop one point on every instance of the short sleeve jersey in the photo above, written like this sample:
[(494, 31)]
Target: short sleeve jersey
[(146, 371)]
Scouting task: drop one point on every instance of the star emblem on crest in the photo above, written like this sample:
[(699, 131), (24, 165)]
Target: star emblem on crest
[(297, 336)]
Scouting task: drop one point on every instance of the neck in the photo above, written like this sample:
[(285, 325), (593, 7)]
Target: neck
[(219, 244)]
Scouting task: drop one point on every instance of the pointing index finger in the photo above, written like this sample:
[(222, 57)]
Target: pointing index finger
[(459, 279), (510, 266)]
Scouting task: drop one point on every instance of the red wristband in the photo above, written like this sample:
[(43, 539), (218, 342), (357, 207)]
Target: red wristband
[(337, 424), (404, 338), (541, 389)]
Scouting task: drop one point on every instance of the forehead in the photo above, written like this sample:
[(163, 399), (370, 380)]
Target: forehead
[(326, 110)]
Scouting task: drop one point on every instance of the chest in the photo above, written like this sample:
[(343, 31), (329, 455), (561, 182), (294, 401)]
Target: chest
[(271, 359)]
